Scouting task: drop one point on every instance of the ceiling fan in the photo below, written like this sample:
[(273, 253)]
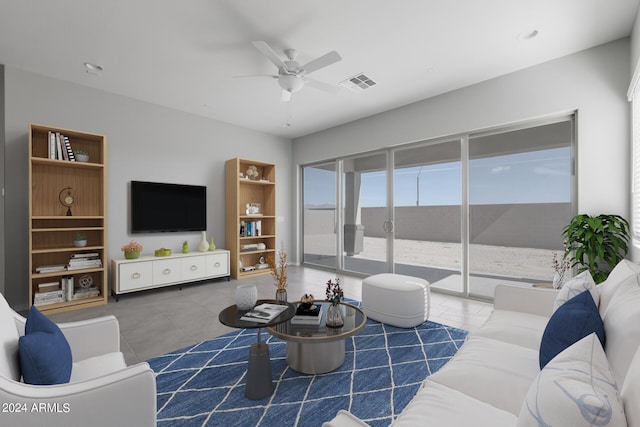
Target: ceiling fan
[(291, 75)]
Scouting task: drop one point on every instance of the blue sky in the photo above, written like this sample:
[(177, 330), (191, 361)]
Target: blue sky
[(531, 177)]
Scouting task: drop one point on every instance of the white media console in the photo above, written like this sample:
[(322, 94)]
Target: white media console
[(149, 272)]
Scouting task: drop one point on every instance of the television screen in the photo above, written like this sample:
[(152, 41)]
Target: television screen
[(159, 207)]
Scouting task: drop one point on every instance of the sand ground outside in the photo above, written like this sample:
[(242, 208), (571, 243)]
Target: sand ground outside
[(525, 263)]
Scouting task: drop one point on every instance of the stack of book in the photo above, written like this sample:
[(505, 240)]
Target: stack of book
[(82, 293), (50, 268), (307, 315), (86, 260), (60, 147), (48, 293)]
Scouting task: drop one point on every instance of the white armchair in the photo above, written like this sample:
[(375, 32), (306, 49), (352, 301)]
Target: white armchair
[(102, 391)]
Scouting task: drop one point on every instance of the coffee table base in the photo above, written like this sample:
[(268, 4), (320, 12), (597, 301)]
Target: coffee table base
[(259, 380), (315, 358)]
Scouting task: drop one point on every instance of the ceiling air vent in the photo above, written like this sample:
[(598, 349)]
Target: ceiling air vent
[(358, 83)]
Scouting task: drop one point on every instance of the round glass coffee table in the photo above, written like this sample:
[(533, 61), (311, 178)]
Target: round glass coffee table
[(317, 349), (259, 381)]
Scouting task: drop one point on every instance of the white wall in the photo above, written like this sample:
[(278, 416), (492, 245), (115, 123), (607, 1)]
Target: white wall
[(145, 142), (592, 82)]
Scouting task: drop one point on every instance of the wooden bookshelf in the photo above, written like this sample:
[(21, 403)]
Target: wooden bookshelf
[(240, 192), (51, 230)]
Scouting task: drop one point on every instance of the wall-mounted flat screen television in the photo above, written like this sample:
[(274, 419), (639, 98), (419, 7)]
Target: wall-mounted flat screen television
[(161, 207)]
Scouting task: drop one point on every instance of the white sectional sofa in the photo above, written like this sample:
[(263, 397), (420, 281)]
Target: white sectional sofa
[(495, 378)]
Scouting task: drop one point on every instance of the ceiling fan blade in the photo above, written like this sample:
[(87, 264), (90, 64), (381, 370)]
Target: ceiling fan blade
[(321, 62), (285, 96), (264, 48), (325, 87), (269, 76)]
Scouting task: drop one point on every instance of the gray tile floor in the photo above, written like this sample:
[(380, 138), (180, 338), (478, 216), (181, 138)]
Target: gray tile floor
[(158, 321)]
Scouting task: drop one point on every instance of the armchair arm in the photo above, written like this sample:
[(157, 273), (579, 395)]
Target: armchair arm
[(92, 337), (126, 397), (345, 419), (87, 338), (524, 299)]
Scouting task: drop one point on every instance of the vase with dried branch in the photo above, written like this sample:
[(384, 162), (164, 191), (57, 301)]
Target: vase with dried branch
[(279, 273)]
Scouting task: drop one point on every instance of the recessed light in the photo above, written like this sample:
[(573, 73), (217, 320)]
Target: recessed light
[(93, 68), (528, 34)]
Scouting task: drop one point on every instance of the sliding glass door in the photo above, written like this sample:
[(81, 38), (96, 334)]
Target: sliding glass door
[(465, 213), (520, 193), (427, 196), (320, 215), (367, 225)]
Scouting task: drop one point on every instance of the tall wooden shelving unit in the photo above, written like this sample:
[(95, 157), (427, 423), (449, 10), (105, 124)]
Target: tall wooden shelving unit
[(51, 231), (240, 191)]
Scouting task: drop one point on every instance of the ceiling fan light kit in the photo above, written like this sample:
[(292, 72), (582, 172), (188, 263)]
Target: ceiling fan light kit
[(291, 75)]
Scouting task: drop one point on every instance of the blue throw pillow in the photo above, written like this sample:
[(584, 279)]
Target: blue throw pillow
[(45, 355), (574, 320)]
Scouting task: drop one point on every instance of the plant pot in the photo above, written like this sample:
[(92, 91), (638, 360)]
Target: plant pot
[(132, 255), (84, 158), (80, 243)]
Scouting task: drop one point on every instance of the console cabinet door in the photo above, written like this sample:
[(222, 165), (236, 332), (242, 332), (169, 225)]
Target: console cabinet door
[(193, 268), (135, 275), (218, 264), (166, 271)]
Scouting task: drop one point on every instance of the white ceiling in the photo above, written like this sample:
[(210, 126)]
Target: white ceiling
[(185, 54)]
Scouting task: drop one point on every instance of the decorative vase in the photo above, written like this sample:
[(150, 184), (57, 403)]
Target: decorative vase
[(132, 254), (246, 296), (212, 245), (185, 247), (281, 296), (203, 246), (334, 316), (558, 280)]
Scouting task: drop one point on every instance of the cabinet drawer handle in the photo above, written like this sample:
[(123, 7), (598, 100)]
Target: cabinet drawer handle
[(217, 264), (166, 271), (135, 275), (194, 267)]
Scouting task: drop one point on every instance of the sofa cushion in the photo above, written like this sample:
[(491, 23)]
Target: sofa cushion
[(439, 405), (622, 326), (577, 285), (97, 366), (514, 327), (482, 363), (45, 355), (574, 320), (575, 389), (621, 272), (9, 362), (631, 392)]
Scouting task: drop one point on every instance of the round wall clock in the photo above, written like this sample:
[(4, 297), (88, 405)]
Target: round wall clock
[(66, 199)]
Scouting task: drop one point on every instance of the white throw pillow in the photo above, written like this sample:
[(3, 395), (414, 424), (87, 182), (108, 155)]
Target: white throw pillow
[(576, 389), (577, 285), (631, 392)]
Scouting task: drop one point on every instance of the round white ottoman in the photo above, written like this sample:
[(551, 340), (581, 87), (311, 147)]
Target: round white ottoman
[(395, 299)]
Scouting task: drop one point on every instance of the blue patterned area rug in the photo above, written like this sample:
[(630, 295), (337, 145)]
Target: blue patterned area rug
[(203, 385)]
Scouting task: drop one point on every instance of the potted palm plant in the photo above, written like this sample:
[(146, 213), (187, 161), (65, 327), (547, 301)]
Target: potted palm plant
[(596, 243)]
